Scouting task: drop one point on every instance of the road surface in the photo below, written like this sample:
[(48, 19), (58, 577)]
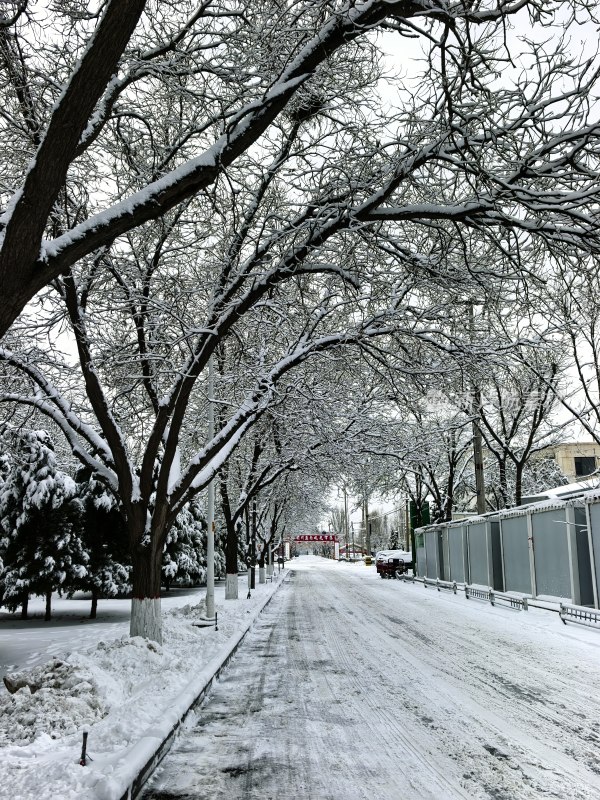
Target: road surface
[(353, 688)]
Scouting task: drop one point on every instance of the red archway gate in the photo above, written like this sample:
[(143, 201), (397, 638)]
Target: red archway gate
[(320, 537)]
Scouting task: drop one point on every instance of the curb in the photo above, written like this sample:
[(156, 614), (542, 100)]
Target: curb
[(157, 741)]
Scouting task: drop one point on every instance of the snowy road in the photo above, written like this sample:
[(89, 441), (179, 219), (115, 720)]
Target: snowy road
[(351, 687)]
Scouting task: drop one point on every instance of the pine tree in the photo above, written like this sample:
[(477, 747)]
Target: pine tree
[(40, 517), (104, 536)]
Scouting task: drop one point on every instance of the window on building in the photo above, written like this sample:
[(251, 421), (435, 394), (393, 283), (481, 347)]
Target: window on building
[(584, 465)]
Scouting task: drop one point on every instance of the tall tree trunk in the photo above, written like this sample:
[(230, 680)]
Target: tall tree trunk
[(231, 562), (25, 605), (503, 481), (449, 500), (145, 603), (48, 614), (519, 482), (262, 572), (94, 608)]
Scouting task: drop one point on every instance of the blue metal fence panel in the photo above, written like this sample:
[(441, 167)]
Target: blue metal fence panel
[(420, 548), (594, 511), (584, 567), (457, 551), (445, 554), (478, 553), (431, 553), (515, 551), (551, 550), (496, 555)]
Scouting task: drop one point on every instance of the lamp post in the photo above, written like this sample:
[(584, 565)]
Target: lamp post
[(253, 548), (477, 436), (210, 534), (346, 526), (367, 523)]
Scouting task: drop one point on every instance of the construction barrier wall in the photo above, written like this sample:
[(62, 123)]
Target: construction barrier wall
[(543, 550)]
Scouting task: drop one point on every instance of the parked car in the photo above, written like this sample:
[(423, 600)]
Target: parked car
[(388, 562)]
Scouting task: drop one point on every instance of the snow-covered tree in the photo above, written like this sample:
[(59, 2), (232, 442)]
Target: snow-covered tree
[(285, 199), (516, 421), (567, 321), (78, 85), (184, 554), (40, 517), (103, 534)]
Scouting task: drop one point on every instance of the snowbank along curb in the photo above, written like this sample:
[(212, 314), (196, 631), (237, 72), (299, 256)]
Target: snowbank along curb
[(149, 751)]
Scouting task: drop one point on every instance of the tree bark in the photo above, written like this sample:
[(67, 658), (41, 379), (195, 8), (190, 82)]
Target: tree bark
[(145, 602), (48, 614), (503, 480), (25, 605), (20, 276), (519, 482), (94, 608)]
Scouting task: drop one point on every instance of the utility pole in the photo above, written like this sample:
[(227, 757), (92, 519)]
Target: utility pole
[(346, 526), (253, 547), (210, 533), (248, 553), (367, 542), (477, 437)]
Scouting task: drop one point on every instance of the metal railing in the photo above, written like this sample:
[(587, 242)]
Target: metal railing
[(566, 612), (493, 597), (439, 585), (580, 614)]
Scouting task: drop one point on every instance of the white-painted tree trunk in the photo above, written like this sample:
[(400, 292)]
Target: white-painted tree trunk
[(146, 619), (270, 569), (262, 575), (231, 587)]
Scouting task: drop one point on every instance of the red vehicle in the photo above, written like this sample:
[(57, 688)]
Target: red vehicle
[(388, 562)]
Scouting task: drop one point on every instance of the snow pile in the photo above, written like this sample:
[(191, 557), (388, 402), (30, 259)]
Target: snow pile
[(118, 691), (55, 699)]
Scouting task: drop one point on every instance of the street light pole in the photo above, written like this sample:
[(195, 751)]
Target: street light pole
[(477, 437), (253, 547), (367, 539), (210, 534), (346, 526)]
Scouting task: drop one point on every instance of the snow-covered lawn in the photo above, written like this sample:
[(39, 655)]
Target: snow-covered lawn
[(27, 643)]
